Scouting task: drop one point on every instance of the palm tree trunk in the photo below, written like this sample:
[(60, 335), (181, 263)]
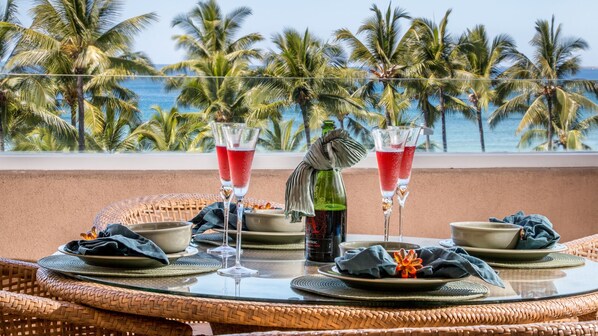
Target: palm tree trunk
[(550, 131), (388, 116), (304, 113), (426, 124), (73, 116), (480, 127), (2, 128), (443, 117), (81, 108)]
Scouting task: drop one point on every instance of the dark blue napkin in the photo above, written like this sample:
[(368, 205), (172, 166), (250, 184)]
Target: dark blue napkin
[(212, 216), (454, 263), (374, 261), (118, 240), (437, 261), (538, 232)]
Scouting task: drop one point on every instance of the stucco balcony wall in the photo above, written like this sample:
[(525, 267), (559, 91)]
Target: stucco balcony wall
[(42, 209)]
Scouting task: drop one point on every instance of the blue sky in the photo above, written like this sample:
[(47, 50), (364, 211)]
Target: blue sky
[(515, 17)]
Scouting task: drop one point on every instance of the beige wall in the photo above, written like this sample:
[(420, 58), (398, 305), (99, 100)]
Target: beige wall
[(42, 209)]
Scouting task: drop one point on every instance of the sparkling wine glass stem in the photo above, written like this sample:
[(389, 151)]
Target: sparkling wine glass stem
[(402, 194), (387, 209), (226, 193), (239, 229)]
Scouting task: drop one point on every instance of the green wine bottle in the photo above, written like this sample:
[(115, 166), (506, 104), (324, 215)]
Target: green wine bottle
[(328, 228)]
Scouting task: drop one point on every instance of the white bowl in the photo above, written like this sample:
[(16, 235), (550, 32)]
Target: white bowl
[(271, 221), (171, 237), (485, 234)]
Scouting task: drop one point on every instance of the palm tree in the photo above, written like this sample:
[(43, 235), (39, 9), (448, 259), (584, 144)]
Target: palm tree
[(435, 59), (571, 126), (77, 39), (282, 137), (208, 32), (301, 73), (173, 131), (43, 139), (114, 132), (25, 101), (483, 61), (540, 85), (217, 58), (218, 89), (382, 52)]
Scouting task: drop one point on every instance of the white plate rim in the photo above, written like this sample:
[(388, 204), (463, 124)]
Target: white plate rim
[(556, 248), (189, 251), (409, 281), (264, 234)]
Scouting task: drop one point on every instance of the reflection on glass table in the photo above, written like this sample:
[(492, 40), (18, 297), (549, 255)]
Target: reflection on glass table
[(277, 269)]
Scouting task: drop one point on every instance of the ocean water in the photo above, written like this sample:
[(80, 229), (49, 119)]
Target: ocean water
[(462, 134)]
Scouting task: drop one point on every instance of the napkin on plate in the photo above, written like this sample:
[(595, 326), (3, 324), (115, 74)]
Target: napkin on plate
[(118, 240), (438, 262), (212, 216), (374, 261), (455, 262), (538, 232)]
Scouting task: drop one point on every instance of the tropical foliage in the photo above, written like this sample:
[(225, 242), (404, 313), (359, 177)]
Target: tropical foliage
[(64, 84)]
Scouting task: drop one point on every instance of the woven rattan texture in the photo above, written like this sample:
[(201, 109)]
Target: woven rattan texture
[(454, 291), (586, 247), (26, 309), (538, 329), (302, 316), (159, 208), (553, 260)]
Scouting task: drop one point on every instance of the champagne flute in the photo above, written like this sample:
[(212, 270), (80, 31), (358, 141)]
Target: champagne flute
[(240, 145), (405, 171), (226, 187), (389, 146)]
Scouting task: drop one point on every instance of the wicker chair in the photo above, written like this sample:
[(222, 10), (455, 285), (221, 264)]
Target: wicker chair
[(27, 310), (540, 329), (158, 208)]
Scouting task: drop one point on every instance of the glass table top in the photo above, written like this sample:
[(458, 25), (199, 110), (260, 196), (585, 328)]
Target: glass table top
[(277, 269)]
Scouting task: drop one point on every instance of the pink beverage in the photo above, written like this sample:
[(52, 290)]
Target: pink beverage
[(389, 164), (240, 161), (407, 162), (223, 168)]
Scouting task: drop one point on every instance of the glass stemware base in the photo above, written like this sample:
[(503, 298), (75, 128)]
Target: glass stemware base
[(238, 271), (223, 251)]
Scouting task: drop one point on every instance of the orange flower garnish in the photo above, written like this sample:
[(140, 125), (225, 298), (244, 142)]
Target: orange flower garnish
[(407, 263), (90, 235)]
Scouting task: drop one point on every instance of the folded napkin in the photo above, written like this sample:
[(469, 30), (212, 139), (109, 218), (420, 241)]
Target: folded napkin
[(438, 263), (374, 261), (538, 232), (334, 150), (212, 216), (455, 262), (118, 240)]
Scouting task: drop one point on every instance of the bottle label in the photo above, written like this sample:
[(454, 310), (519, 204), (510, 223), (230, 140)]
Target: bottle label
[(323, 233)]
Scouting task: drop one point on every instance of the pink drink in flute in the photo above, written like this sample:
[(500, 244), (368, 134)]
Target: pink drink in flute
[(223, 168), (389, 145), (226, 189), (240, 164), (240, 145), (405, 173)]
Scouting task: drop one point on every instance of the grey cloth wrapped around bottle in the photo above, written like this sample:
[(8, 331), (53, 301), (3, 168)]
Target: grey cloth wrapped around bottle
[(118, 240), (538, 232), (437, 262), (334, 150)]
